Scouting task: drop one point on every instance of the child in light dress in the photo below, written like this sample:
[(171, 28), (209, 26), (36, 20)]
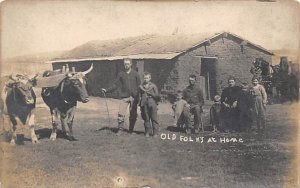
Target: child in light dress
[(259, 108), (181, 113)]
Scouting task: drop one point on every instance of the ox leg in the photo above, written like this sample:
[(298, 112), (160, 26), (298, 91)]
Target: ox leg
[(31, 123), (14, 130), (54, 125), (63, 123), (63, 127), (70, 124), (68, 120)]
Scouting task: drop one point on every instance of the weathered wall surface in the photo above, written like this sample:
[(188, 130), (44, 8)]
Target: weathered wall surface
[(232, 60)]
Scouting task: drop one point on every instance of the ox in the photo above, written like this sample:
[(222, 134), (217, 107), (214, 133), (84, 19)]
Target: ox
[(62, 99), (285, 82), (19, 102)]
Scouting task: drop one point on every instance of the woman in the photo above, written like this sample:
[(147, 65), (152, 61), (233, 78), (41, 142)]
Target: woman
[(229, 109), (260, 100)]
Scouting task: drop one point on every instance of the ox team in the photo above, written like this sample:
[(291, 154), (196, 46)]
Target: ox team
[(230, 111), (18, 100)]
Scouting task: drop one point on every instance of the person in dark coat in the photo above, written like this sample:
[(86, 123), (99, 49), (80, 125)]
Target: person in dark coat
[(148, 103), (128, 83), (193, 95), (229, 108), (245, 106)]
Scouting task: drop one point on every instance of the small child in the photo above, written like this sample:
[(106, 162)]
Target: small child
[(148, 103), (215, 118), (181, 112)]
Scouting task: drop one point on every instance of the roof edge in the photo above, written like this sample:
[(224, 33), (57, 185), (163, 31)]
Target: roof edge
[(164, 55), (110, 58), (228, 33), (251, 43)]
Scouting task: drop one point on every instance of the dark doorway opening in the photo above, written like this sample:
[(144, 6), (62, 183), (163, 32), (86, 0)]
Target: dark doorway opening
[(208, 72)]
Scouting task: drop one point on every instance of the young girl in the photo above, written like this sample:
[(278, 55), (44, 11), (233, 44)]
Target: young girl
[(260, 100), (181, 113), (214, 112)]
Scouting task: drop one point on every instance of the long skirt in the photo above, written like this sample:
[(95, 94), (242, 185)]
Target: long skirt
[(259, 112)]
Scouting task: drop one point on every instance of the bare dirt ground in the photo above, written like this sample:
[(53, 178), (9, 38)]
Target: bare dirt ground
[(101, 159)]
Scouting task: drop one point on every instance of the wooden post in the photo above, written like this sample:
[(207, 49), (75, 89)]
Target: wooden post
[(67, 68), (140, 64), (208, 87)]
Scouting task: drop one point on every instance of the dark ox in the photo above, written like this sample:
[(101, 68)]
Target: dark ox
[(62, 100), (19, 102)]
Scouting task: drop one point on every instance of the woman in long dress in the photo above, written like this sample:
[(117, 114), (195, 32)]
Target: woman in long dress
[(260, 100)]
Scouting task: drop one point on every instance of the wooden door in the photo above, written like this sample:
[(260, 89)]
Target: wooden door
[(202, 84)]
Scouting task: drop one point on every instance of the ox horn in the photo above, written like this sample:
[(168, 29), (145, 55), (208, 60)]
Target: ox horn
[(14, 77), (89, 70)]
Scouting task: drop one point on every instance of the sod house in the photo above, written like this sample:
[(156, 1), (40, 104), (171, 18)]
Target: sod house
[(170, 60)]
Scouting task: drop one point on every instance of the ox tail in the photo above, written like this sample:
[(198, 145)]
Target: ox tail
[(3, 106)]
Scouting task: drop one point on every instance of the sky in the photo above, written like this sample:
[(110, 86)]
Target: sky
[(29, 27)]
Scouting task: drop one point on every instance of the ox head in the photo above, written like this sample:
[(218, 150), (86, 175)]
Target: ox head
[(74, 86), (276, 68), (260, 62), (22, 88), (256, 62)]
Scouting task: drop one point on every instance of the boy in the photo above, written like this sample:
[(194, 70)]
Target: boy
[(149, 97), (214, 112), (181, 112)]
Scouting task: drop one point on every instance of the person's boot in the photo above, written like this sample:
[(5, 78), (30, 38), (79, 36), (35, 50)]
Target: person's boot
[(197, 129), (131, 125), (120, 128), (147, 129), (155, 128), (147, 134), (155, 132), (188, 131)]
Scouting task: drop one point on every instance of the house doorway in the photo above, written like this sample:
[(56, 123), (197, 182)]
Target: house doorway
[(140, 67), (208, 75)]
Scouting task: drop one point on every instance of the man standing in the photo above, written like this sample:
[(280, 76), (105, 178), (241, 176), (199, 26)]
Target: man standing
[(127, 83), (229, 110), (193, 95)]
